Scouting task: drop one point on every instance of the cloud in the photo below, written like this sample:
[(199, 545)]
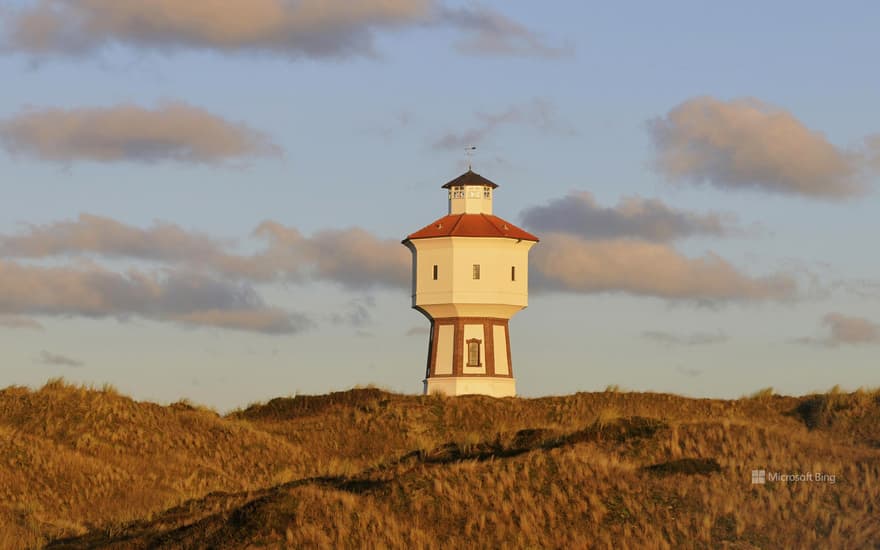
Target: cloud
[(55, 359), (356, 259), (302, 28), (196, 280), (851, 330), (565, 262), (109, 238), (746, 143), (353, 258), (844, 330), (12, 321), (650, 219), (260, 319), (178, 296), (174, 131), (417, 331), (357, 313), (538, 113), (312, 28), (693, 339), (492, 33)]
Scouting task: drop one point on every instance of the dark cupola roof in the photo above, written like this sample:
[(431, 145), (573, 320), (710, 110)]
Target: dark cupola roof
[(470, 178)]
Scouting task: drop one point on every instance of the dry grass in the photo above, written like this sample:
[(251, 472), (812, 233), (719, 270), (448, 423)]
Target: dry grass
[(90, 468)]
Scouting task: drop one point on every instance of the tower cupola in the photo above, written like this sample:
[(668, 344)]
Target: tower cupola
[(470, 193)]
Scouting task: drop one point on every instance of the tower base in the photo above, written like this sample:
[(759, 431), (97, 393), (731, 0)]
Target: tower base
[(470, 385)]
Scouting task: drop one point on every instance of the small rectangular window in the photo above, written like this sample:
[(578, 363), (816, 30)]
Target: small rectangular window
[(435, 272), (513, 273), (476, 271), (473, 352)]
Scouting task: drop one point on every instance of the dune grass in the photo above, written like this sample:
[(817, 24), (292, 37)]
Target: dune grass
[(87, 467)]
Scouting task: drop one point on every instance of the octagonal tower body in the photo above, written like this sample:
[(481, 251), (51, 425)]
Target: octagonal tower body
[(470, 276)]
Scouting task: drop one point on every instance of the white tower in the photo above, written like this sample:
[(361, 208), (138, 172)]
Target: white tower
[(470, 276)]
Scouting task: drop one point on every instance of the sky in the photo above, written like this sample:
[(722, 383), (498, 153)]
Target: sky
[(206, 200)]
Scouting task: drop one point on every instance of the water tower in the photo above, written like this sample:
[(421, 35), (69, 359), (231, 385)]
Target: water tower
[(470, 276)]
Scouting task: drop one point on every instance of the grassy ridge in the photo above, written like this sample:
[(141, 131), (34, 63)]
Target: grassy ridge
[(85, 468)]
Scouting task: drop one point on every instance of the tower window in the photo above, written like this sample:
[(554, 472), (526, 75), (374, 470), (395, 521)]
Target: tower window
[(512, 272), (486, 193), (435, 272), (476, 271), (473, 346)]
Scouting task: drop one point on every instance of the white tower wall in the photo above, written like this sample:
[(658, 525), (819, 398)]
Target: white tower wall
[(455, 291)]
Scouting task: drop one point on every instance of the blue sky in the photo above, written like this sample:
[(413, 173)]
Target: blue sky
[(344, 124)]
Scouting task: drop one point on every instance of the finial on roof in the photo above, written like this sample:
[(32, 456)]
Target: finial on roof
[(468, 152)]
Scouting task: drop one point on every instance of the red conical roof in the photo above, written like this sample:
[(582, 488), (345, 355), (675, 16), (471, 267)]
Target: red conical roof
[(472, 225)]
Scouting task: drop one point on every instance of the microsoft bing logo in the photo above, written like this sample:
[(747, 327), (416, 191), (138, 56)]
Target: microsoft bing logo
[(759, 477)]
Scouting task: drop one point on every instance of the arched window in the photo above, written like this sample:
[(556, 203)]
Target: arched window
[(473, 346)]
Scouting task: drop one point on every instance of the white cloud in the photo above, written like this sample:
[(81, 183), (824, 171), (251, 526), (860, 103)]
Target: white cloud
[(566, 262), (301, 28), (353, 258), (493, 33), (173, 131), (176, 296), (651, 219), (746, 143), (844, 330), (319, 28)]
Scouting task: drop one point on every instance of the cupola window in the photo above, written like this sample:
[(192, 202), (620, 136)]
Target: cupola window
[(476, 271)]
